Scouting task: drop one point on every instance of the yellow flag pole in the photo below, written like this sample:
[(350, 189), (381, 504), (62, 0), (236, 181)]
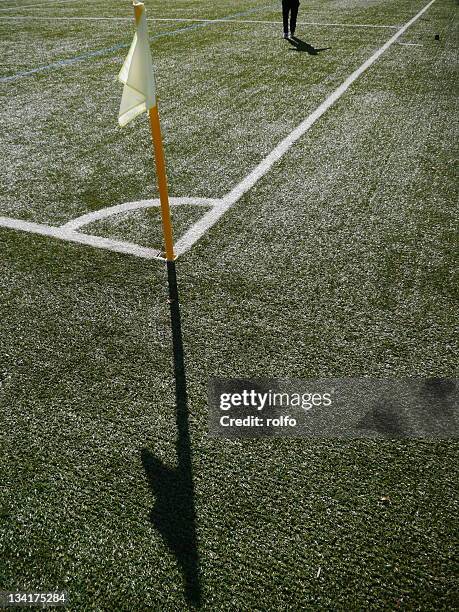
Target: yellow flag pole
[(162, 181), (155, 128)]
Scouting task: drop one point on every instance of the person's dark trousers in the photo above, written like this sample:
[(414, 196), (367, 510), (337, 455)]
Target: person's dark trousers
[(290, 8)]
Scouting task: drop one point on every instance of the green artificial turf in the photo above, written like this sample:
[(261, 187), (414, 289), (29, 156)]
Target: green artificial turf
[(339, 262)]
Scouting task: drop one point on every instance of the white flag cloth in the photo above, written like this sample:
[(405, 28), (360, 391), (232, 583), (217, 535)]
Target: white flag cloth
[(137, 75)]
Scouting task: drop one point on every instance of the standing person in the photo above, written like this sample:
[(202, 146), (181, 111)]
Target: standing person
[(290, 8)]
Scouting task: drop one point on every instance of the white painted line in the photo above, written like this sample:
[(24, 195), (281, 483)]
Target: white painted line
[(103, 213), (34, 18), (314, 23), (407, 44), (180, 19), (219, 207), (99, 242), (20, 6), (210, 218), (68, 230)]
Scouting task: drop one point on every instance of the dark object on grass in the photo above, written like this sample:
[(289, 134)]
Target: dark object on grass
[(289, 9), (300, 45), (174, 514), (437, 36)]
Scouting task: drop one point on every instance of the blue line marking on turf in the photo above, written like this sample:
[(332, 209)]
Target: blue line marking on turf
[(108, 50)]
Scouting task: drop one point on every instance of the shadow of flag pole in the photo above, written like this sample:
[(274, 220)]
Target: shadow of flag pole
[(174, 513)]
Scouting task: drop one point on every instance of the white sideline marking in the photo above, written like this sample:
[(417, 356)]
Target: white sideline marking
[(70, 236), (20, 7), (311, 23), (219, 207), (210, 218), (406, 44), (180, 19)]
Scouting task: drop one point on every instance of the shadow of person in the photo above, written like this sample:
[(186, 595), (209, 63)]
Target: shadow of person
[(304, 47), (174, 514)]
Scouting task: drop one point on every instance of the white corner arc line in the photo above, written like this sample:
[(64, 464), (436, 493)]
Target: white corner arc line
[(103, 213), (69, 233), (210, 218)]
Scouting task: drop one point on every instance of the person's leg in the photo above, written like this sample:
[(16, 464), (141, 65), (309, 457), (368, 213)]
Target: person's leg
[(285, 12), (293, 16)]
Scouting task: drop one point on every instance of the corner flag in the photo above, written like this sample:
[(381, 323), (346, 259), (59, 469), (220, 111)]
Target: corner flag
[(139, 96), (137, 74)]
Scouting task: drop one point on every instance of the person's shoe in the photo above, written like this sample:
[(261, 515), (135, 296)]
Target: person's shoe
[(285, 35), (292, 34)]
